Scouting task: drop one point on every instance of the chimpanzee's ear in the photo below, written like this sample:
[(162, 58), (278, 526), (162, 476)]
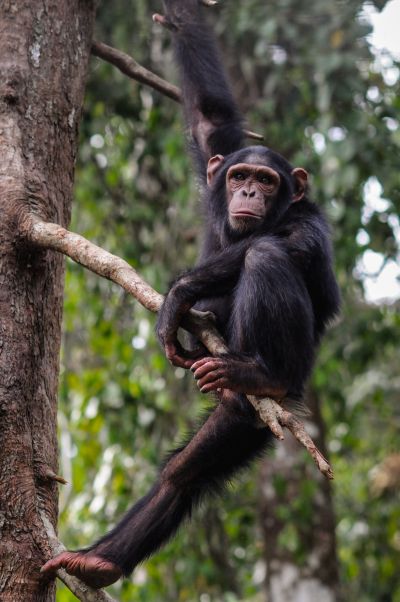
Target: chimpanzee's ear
[(301, 178), (213, 165)]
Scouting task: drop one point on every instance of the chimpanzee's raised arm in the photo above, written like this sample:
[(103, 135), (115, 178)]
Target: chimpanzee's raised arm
[(212, 116)]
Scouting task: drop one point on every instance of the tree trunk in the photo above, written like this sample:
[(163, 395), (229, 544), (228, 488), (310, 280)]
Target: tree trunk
[(298, 522), (44, 50)]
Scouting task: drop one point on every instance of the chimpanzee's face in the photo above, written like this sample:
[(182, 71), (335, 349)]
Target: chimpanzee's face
[(251, 191), (259, 186)]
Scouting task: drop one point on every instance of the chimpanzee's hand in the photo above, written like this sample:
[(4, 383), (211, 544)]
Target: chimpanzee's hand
[(166, 330), (181, 357), (240, 374), (178, 12)]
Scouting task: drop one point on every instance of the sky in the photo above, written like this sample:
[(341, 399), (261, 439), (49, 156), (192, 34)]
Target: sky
[(386, 28), (381, 281)]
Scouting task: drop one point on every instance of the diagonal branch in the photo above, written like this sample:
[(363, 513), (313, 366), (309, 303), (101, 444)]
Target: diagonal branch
[(128, 66), (96, 259)]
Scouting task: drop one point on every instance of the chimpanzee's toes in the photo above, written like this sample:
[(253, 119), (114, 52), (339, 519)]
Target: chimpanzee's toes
[(89, 568)]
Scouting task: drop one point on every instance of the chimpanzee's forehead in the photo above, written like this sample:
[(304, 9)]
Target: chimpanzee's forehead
[(262, 159), (254, 154), (257, 159), (262, 155)]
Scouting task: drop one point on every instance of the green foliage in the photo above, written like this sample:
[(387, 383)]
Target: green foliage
[(306, 78)]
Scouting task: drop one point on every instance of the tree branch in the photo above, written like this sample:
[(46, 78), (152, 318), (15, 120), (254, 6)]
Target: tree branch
[(128, 66), (96, 259)]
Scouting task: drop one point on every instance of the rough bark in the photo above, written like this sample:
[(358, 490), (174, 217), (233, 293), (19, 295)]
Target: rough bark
[(298, 523), (44, 50)]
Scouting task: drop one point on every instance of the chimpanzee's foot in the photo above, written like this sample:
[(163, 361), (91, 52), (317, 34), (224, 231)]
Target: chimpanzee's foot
[(240, 374), (86, 566)]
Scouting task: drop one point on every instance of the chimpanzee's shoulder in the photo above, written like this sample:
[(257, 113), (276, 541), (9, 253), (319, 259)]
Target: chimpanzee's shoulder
[(305, 208), (303, 216)]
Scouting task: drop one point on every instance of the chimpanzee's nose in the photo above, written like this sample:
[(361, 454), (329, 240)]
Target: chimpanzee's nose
[(248, 193)]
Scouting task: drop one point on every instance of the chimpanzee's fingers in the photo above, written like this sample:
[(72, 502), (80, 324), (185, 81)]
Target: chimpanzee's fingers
[(173, 355), (210, 377), (205, 365), (161, 20), (206, 368), (177, 355), (221, 383), (200, 362), (180, 362)]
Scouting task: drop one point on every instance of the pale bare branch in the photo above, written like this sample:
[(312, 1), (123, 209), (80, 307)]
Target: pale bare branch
[(276, 417), (96, 259), (127, 65), (253, 135)]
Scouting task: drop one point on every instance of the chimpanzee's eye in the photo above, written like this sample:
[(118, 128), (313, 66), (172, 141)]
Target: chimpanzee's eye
[(238, 175), (264, 179)]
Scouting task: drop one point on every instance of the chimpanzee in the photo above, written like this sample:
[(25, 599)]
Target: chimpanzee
[(265, 271)]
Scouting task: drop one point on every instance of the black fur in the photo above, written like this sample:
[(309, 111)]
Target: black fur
[(273, 292)]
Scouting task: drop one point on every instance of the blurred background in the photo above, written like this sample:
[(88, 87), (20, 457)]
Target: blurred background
[(312, 77)]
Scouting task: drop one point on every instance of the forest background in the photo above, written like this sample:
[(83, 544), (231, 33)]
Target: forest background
[(307, 78)]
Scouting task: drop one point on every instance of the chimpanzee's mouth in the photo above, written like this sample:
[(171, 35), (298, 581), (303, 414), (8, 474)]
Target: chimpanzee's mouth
[(246, 213)]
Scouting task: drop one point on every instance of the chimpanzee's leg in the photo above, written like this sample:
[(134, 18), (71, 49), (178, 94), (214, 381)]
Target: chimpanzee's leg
[(227, 441), (271, 329)]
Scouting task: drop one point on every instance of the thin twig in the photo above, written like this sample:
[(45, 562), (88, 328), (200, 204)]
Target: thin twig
[(128, 66), (96, 259), (49, 475), (253, 135), (276, 417)]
